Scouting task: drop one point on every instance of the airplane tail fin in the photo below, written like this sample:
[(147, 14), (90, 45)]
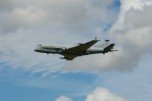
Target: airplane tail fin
[(109, 48), (114, 50)]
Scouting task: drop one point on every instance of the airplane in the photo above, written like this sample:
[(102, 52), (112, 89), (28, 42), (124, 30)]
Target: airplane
[(81, 49)]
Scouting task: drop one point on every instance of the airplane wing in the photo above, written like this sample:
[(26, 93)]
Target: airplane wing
[(68, 56), (79, 50), (82, 47)]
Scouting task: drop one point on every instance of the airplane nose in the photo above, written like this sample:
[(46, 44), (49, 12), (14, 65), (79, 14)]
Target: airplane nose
[(35, 50)]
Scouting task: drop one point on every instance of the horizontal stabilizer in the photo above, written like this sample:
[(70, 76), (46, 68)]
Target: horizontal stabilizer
[(114, 50)]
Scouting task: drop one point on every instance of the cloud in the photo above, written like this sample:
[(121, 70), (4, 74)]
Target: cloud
[(132, 34), (99, 94), (53, 21), (73, 15), (63, 98), (102, 94), (133, 29)]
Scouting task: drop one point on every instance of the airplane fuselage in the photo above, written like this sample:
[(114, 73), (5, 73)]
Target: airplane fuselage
[(49, 49), (62, 50)]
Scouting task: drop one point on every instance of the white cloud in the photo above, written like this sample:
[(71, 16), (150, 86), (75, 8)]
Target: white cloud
[(53, 21), (70, 22), (102, 94), (132, 34), (99, 94), (75, 15), (63, 98)]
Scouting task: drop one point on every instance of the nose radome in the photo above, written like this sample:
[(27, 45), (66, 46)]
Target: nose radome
[(35, 50)]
